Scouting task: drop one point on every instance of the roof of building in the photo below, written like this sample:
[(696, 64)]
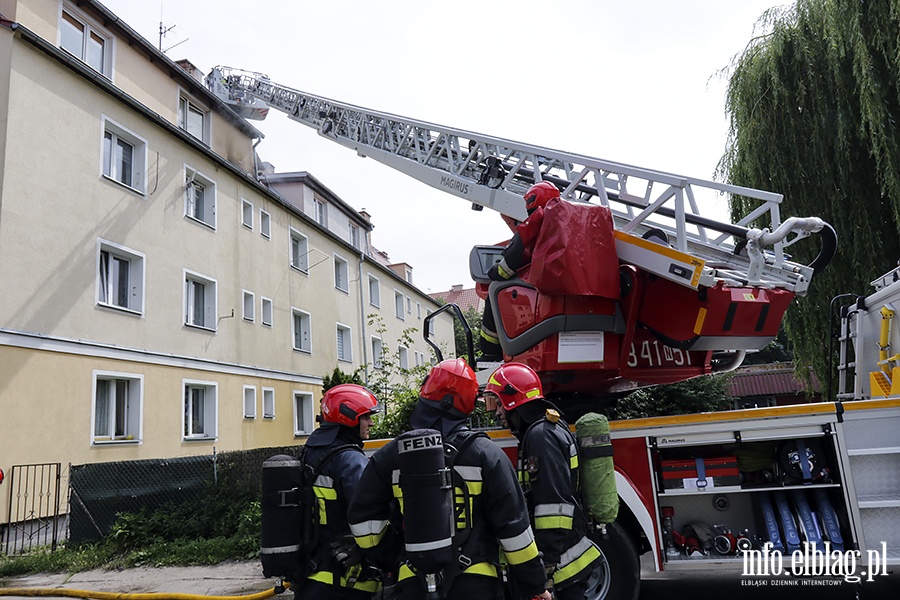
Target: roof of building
[(463, 298), (774, 379)]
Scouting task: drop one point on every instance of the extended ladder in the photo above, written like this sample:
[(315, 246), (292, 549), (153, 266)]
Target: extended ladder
[(493, 172)]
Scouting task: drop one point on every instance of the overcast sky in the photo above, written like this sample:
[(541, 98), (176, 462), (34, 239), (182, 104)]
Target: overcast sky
[(628, 81)]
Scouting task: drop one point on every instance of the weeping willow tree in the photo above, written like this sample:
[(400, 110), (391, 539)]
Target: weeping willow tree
[(813, 105)]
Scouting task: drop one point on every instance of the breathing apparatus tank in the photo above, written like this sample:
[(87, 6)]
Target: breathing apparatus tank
[(283, 553), (598, 479), (427, 503)]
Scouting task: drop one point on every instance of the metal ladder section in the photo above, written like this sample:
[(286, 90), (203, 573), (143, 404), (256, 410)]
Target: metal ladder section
[(494, 172)]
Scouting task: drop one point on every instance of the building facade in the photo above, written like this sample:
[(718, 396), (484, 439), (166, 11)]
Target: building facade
[(159, 297)]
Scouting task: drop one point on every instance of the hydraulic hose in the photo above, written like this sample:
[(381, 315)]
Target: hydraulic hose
[(71, 593)]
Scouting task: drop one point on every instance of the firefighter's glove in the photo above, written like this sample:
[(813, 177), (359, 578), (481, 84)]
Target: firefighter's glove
[(498, 273), (347, 553)]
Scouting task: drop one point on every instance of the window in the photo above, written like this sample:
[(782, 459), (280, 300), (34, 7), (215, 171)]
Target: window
[(354, 236), (299, 251), (199, 198), (268, 403), (265, 224), (303, 413), (266, 312), (249, 402), (320, 212), (124, 156), (247, 214), (199, 409), (403, 357), (120, 277), (377, 353), (193, 119), (249, 306), (430, 323), (86, 41), (301, 331), (418, 310), (199, 301), (341, 274), (409, 275), (374, 292), (117, 407), (398, 306), (344, 351), (409, 305)]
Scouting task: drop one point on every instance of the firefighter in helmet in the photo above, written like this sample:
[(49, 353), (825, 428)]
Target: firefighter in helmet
[(516, 255), (548, 471), (493, 518), (346, 417)]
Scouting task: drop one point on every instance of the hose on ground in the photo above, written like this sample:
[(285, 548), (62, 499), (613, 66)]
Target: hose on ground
[(94, 595)]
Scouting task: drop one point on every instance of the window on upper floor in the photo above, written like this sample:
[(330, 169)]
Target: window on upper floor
[(268, 402), (299, 251), (247, 214), (249, 306), (320, 209), (408, 305), (302, 331), (408, 275), (344, 344), (199, 198), (354, 236), (265, 224), (193, 118), (81, 37), (374, 292), (199, 301), (303, 413), (117, 407), (398, 306), (120, 277), (124, 157), (267, 312), (418, 310), (377, 353), (403, 357), (200, 404), (249, 402), (341, 274)]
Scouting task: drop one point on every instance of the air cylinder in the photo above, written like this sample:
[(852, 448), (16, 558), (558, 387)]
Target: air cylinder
[(598, 478), (282, 529)]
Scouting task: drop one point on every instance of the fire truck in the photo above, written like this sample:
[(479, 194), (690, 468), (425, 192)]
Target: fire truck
[(692, 295)]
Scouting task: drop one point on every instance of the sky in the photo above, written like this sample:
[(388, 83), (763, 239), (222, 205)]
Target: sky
[(636, 82)]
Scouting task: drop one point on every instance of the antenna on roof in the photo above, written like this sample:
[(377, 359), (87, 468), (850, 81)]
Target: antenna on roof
[(163, 30)]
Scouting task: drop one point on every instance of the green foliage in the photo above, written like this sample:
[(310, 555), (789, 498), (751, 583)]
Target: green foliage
[(813, 108), (700, 394), (338, 377), (778, 351), (473, 318)]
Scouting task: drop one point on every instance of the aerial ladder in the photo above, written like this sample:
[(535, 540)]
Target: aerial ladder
[(731, 282)]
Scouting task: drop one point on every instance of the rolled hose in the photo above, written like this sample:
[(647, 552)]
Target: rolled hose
[(71, 593)]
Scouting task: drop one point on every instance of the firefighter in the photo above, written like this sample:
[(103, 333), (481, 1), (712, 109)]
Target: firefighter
[(516, 255), (548, 471), (494, 518), (346, 417)]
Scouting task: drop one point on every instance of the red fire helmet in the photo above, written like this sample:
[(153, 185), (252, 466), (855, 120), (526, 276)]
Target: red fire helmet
[(452, 383), (344, 404), (539, 195), (514, 384)]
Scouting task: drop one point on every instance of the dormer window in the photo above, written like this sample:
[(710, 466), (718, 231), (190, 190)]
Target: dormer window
[(85, 40)]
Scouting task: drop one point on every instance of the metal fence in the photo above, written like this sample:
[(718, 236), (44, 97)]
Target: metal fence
[(33, 518)]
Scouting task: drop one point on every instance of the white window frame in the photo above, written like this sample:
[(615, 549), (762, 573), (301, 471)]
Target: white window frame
[(374, 299), (91, 28), (111, 169), (403, 357), (210, 409), (265, 224), (418, 310), (377, 352), (341, 274), (248, 305), (266, 311), (303, 411), (188, 105), (299, 256), (132, 408), (398, 305), (268, 402), (247, 214), (409, 275), (320, 212), (210, 303), (106, 281), (346, 333), (205, 214), (249, 401), (354, 236), (408, 305), (428, 312), (305, 320)]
